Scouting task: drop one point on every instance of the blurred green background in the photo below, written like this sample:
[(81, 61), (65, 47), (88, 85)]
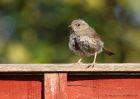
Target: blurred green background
[(36, 31)]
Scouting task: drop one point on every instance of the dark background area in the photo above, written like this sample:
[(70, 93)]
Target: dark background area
[(36, 31)]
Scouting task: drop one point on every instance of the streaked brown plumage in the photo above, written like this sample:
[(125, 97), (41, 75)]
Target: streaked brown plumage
[(85, 41)]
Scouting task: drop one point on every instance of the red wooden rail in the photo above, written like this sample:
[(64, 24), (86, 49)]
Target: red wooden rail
[(67, 81)]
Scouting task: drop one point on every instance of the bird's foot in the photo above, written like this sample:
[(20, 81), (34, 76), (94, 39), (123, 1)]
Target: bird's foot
[(91, 65), (78, 63)]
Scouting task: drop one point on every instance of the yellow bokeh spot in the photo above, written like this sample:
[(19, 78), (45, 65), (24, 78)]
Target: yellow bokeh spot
[(72, 2), (17, 53), (88, 4), (95, 4)]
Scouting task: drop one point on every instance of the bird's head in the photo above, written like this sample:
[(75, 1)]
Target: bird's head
[(78, 25)]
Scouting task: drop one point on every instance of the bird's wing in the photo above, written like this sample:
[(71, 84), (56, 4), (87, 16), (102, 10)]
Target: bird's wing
[(86, 44), (92, 33), (90, 44)]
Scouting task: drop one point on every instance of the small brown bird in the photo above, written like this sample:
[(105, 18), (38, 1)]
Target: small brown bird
[(85, 41)]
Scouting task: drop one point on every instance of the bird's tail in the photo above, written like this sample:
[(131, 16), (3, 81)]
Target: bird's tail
[(108, 52)]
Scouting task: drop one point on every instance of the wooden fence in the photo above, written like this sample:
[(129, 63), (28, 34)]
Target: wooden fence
[(68, 81)]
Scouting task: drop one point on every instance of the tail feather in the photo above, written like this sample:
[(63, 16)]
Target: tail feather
[(108, 52)]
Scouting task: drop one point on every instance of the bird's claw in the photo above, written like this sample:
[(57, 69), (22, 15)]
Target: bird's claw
[(78, 63), (92, 65)]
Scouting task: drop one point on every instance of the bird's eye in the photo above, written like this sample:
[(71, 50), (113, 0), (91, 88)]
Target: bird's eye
[(78, 24)]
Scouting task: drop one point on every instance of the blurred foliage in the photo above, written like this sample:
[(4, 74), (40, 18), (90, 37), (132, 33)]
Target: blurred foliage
[(35, 31)]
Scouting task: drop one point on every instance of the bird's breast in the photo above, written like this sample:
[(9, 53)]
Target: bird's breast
[(84, 44)]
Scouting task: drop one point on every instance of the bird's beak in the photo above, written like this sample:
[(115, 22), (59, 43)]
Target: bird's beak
[(69, 26)]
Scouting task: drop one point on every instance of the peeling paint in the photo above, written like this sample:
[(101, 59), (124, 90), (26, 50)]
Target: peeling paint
[(53, 86)]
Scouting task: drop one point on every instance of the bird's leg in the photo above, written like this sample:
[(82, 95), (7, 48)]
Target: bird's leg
[(79, 61), (94, 61)]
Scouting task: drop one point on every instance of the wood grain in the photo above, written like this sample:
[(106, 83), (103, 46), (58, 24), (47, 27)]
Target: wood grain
[(111, 67), (20, 87), (51, 88), (55, 86), (103, 87)]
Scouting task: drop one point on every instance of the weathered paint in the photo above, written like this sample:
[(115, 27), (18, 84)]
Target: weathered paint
[(55, 86), (51, 86), (63, 85), (103, 87), (20, 87), (59, 86)]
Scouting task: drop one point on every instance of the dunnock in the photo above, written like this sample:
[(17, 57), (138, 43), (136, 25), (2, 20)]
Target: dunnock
[(85, 41)]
